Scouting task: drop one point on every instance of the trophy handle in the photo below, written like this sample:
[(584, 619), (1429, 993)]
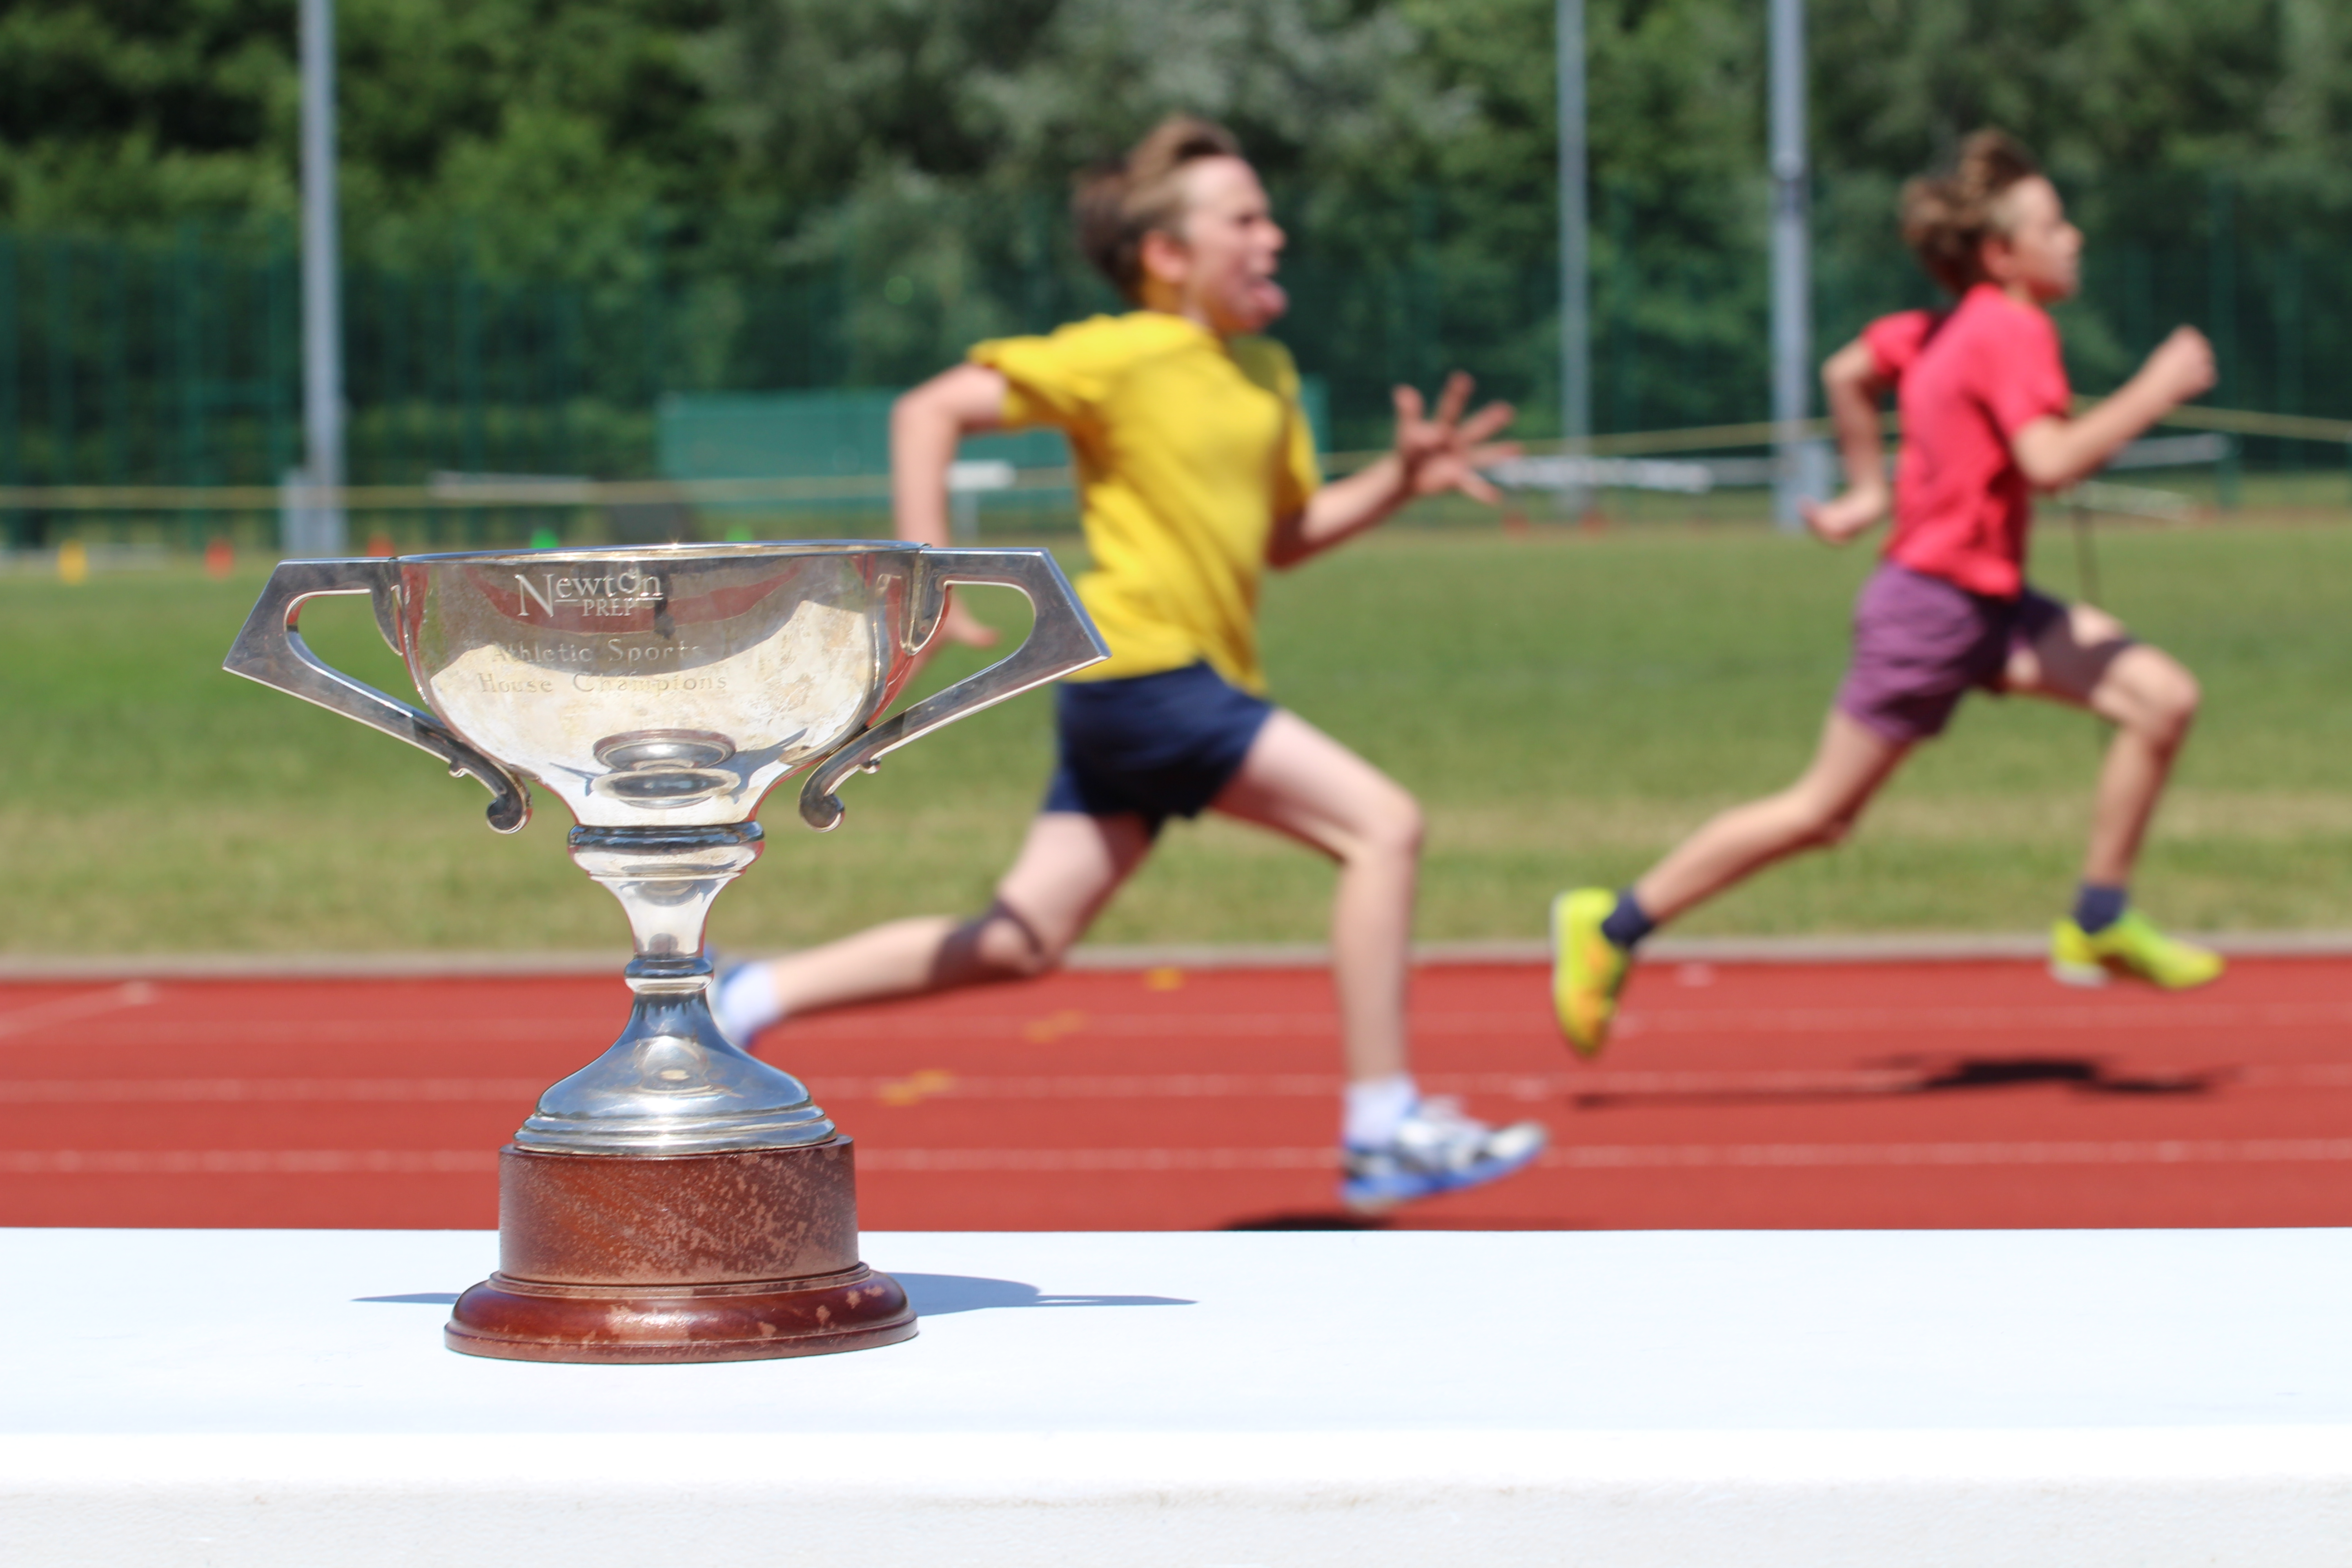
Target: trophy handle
[(1062, 640), (271, 650)]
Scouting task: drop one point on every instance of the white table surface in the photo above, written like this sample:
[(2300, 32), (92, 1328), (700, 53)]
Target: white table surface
[(1428, 1398)]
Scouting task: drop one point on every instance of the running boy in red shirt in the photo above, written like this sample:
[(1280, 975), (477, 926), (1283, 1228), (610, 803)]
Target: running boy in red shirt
[(1986, 421)]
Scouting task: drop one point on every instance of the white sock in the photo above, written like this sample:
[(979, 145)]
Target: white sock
[(746, 1004), (1376, 1109)]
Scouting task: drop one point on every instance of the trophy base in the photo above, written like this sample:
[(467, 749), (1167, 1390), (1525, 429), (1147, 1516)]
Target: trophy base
[(743, 1256), (518, 1319)]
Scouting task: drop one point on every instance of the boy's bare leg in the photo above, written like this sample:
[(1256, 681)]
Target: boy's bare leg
[(1069, 866), (2088, 661), (1303, 783), (1819, 809)]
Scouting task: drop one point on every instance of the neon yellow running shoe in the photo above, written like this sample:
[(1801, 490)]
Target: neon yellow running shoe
[(1588, 969), (2132, 948)]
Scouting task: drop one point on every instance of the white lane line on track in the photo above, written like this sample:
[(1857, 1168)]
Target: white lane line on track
[(939, 1085), (1070, 1028), (2135, 1016), (1622, 1156), (588, 1035), (2139, 1017), (264, 1091), (1626, 1156), (70, 1009), (245, 1161), (2053, 1152)]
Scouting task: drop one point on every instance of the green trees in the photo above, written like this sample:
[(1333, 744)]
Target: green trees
[(547, 123), (112, 113), (539, 120), (796, 192)]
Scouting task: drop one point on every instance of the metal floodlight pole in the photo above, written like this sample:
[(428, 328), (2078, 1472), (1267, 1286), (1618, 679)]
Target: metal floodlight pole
[(1792, 313), (322, 314), (1575, 229)]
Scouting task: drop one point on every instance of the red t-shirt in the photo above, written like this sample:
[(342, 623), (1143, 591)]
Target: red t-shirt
[(1968, 379)]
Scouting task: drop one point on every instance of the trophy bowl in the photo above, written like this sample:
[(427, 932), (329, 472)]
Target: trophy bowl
[(676, 1199)]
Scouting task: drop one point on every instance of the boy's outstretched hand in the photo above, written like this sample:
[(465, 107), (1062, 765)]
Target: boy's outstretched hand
[(1434, 453), (1443, 451)]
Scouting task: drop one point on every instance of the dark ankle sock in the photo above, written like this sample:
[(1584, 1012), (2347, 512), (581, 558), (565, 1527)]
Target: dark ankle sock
[(2096, 908), (1628, 922)]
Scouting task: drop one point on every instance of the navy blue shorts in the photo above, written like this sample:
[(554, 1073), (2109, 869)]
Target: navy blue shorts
[(1158, 745)]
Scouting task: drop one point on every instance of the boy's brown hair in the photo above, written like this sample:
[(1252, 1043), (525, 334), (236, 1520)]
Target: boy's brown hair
[(1119, 202), (1947, 217)]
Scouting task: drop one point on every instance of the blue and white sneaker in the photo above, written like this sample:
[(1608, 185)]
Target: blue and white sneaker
[(1436, 1148)]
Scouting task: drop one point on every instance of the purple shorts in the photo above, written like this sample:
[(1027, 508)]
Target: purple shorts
[(1920, 643)]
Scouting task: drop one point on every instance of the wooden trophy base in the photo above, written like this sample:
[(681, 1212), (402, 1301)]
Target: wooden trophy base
[(678, 1257)]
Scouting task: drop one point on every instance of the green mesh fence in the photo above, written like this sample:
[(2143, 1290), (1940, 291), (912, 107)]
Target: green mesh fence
[(172, 360)]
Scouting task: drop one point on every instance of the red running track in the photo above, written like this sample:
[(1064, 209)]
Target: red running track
[(1942, 1094)]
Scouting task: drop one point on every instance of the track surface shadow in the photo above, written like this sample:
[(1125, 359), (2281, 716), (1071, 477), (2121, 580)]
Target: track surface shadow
[(1905, 1076), (2091, 1075)]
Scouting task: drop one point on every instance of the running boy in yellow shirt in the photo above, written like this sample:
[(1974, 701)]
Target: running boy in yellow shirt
[(1195, 469)]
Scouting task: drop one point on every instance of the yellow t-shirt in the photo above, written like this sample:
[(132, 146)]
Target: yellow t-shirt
[(1187, 450)]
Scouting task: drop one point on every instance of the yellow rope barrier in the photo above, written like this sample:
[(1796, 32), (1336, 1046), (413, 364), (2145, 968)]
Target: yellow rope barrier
[(525, 492), (516, 492)]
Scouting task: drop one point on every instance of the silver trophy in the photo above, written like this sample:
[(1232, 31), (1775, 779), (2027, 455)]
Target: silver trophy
[(699, 1205)]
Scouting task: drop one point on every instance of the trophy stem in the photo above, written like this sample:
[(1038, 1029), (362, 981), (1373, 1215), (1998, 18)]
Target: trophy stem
[(672, 1084), (675, 1200), (666, 880)]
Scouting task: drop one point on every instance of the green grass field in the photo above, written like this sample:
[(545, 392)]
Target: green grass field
[(1566, 706)]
